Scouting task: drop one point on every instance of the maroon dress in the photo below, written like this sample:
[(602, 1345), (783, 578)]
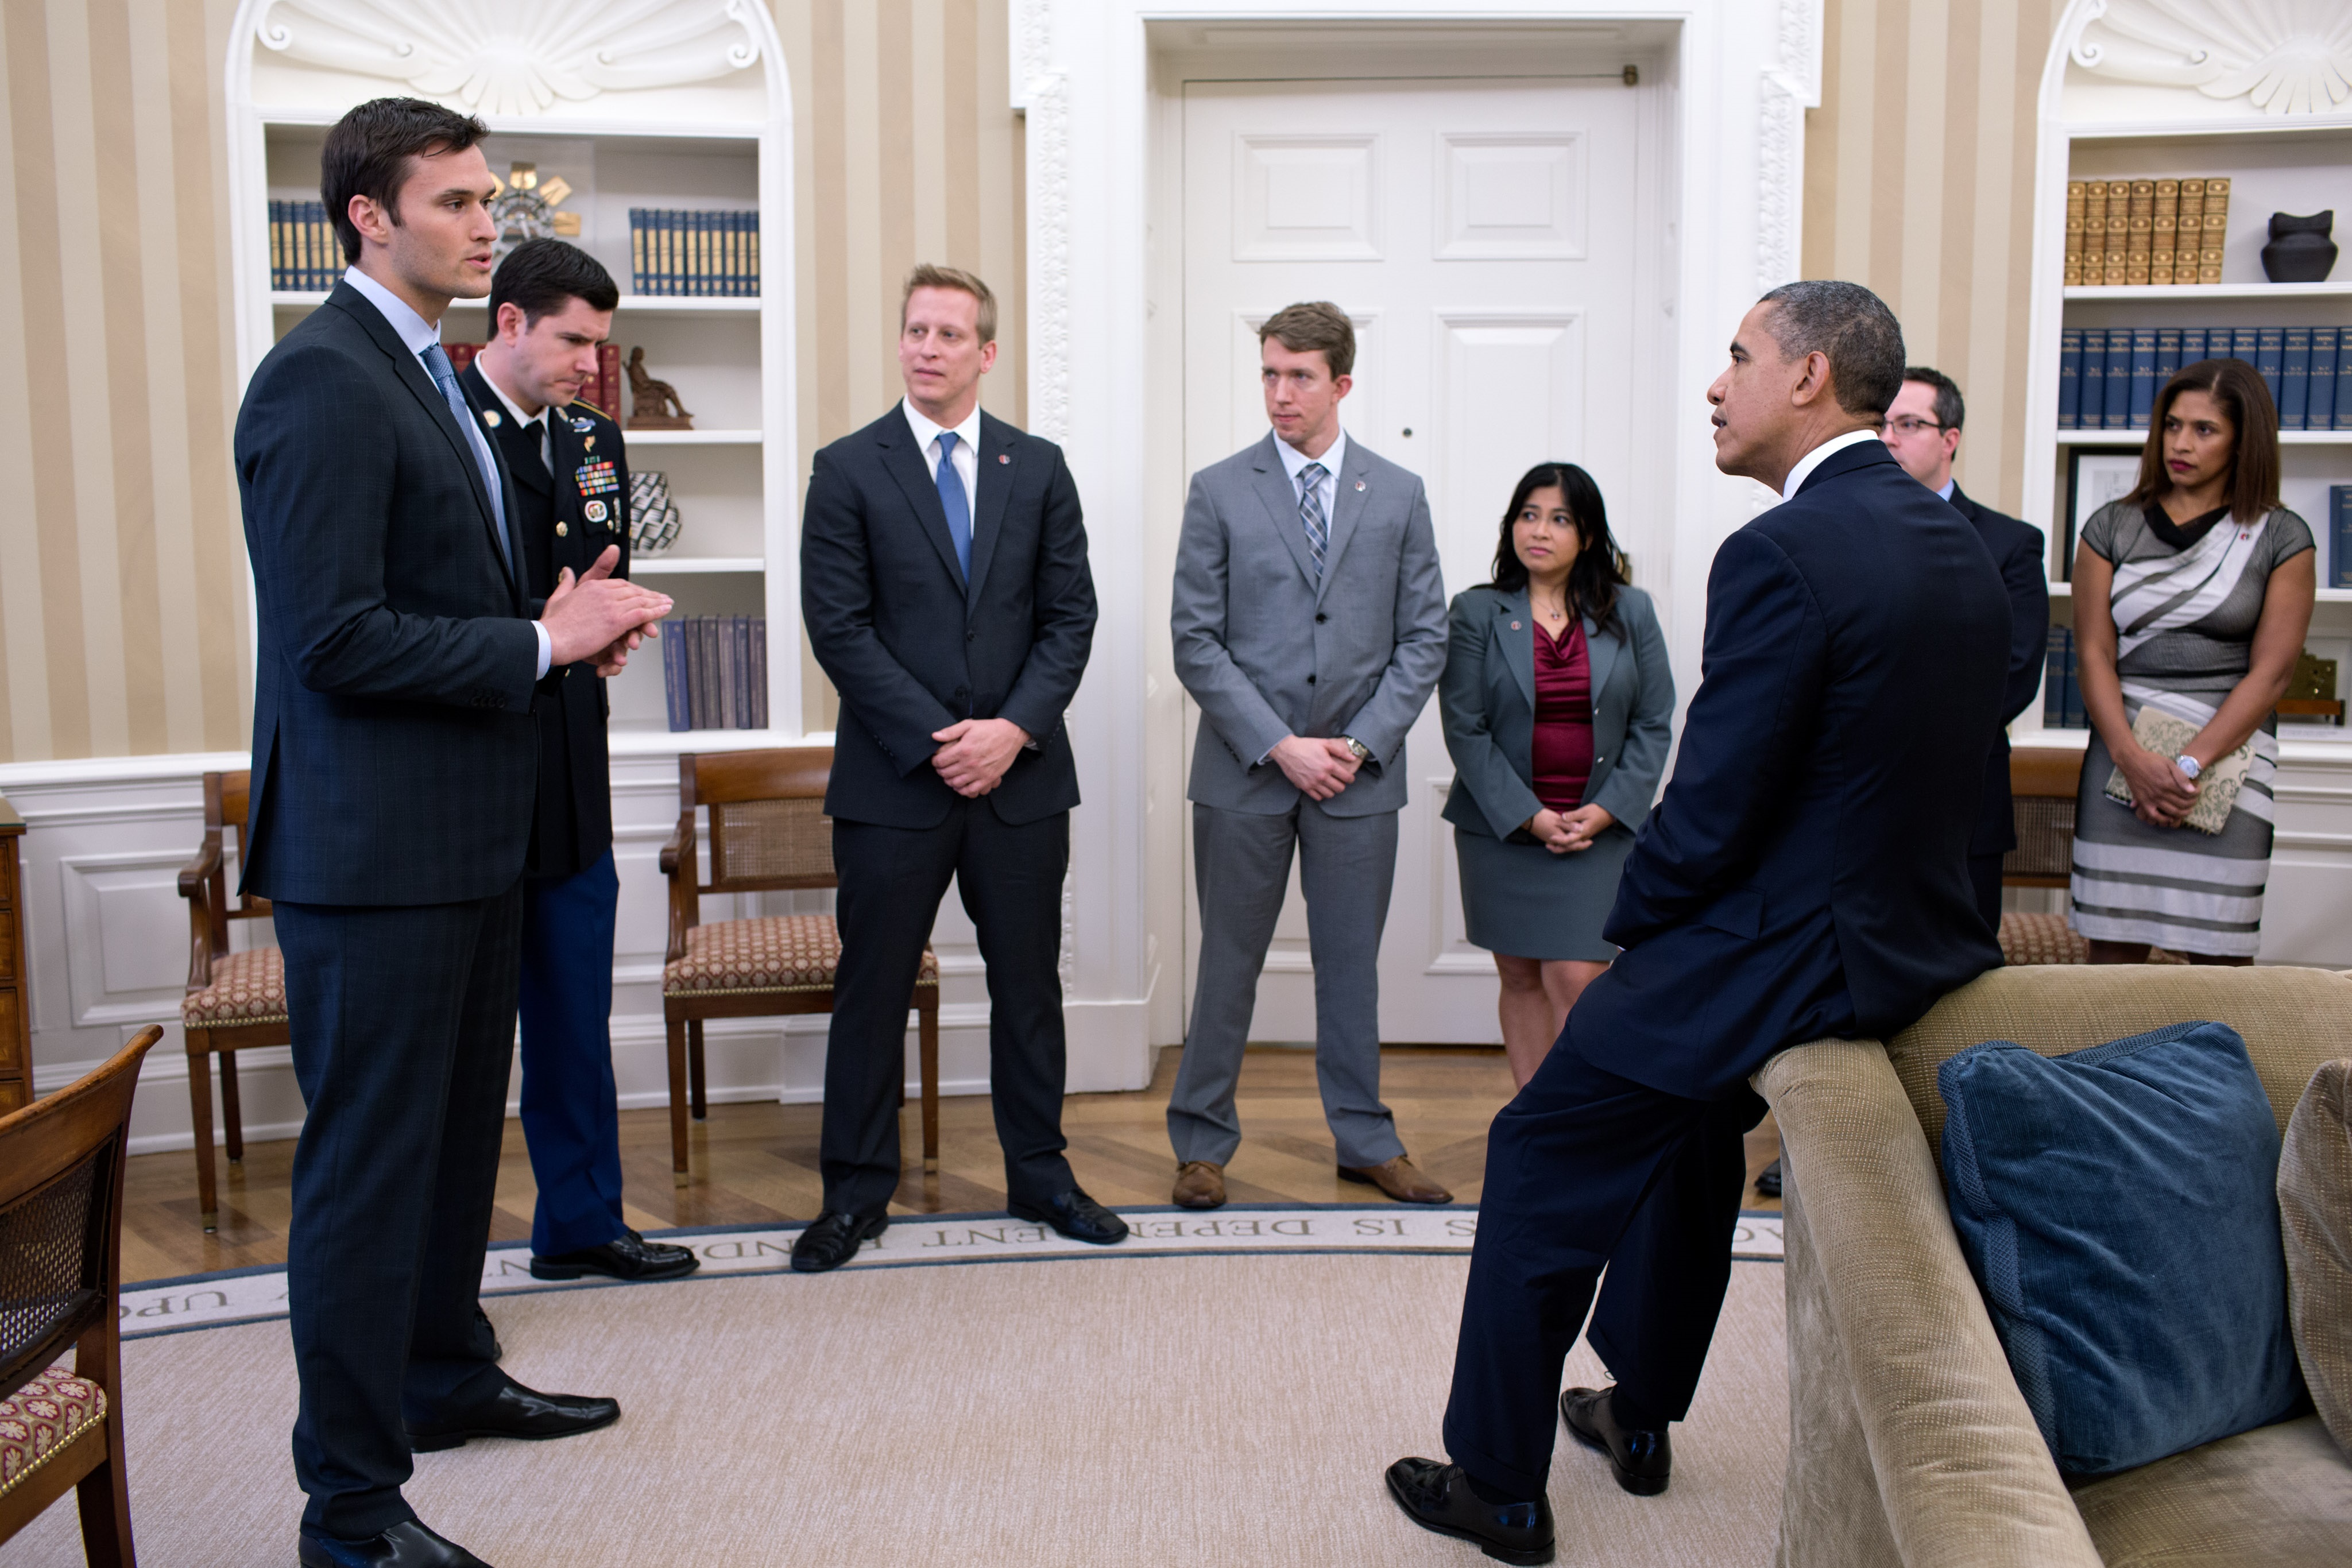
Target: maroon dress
[(1563, 733)]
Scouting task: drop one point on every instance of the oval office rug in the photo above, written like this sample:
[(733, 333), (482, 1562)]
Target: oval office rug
[(1131, 1406)]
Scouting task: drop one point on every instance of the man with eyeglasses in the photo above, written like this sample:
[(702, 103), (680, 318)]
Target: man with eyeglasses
[(1923, 431)]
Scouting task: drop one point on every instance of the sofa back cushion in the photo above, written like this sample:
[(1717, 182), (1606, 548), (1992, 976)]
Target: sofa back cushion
[(2292, 1019), (2315, 1189), (2118, 1207)]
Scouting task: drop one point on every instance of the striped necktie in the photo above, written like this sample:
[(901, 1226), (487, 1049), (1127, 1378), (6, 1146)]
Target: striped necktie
[(1311, 513)]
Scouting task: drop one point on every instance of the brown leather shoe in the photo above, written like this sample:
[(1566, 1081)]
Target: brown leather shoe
[(1199, 1185), (1400, 1180)]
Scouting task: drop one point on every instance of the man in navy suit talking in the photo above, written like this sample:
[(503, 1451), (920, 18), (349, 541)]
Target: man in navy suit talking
[(393, 766), (1805, 875)]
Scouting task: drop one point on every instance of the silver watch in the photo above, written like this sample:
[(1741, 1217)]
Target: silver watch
[(2191, 767), (1363, 753)]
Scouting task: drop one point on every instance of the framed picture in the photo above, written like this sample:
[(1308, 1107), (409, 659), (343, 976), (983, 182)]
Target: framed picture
[(2093, 479)]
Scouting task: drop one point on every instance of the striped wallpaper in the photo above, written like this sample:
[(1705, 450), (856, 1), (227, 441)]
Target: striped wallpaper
[(121, 581), (1919, 183)]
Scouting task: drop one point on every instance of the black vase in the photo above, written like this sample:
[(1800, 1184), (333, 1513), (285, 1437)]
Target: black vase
[(2300, 250)]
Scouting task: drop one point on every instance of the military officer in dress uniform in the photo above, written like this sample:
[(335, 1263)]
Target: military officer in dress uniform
[(551, 306)]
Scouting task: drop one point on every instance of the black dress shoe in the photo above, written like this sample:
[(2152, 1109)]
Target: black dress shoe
[(1643, 1460), (1076, 1216), (407, 1544), (1438, 1497), (515, 1411), (627, 1256), (832, 1238), (1768, 1181)]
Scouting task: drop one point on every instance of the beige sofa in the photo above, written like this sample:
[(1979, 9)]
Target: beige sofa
[(1909, 1442)]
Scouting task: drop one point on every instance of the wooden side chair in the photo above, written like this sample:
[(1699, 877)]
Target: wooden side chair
[(235, 1000), (768, 831), (2043, 785), (61, 1273)]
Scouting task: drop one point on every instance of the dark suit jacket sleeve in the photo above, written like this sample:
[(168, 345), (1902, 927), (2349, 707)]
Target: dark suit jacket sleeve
[(1418, 653), (1649, 731), (321, 478), (1065, 614), (1229, 700), (1744, 740), (1501, 793), (2028, 582), (838, 608)]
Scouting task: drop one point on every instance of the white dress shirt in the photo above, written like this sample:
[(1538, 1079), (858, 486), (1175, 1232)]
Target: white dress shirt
[(1950, 486), (966, 452), (1817, 456), (418, 335), (1326, 489), (537, 421)]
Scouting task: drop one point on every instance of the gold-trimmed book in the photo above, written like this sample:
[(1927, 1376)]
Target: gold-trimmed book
[(2217, 787)]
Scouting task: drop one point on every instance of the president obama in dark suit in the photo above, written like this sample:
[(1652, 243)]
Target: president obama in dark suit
[(394, 763), (1805, 875), (945, 590)]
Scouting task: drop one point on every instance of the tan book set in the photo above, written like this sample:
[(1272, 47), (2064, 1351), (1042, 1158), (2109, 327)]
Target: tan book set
[(2138, 232)]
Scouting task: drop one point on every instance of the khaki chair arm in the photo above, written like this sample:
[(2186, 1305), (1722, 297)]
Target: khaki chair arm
[(1890, 1312)]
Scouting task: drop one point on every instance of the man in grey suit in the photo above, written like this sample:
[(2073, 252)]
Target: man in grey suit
[(1309, 624)]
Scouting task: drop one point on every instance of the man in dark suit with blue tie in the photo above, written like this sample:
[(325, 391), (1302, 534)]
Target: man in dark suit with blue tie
[(1923, 431), (394, 763), (945, 590), (1804, 875), (551, 306)]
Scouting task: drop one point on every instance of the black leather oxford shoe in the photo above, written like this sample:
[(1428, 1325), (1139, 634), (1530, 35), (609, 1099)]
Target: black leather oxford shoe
[(1643, 1460), (832, 1238), (627, 1256), (1076, 1216), (515, 1411), (407, 1544), (1438, 1497)]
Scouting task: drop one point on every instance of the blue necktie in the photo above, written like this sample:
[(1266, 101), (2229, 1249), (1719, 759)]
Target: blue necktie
[(951, 496), (445, 376), (1311, 513)]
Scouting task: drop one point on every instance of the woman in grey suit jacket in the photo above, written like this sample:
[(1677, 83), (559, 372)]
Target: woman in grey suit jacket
[(1558, 706)]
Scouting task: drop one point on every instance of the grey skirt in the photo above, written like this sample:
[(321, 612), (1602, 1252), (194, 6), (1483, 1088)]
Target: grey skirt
[(1525, 902)]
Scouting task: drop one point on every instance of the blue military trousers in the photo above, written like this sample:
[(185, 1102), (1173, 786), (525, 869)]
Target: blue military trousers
[(570, 1117)]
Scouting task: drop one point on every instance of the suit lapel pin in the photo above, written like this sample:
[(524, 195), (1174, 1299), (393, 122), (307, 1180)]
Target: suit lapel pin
[(492, 418), (1515, 625), (1360, 484), (1004, 457)]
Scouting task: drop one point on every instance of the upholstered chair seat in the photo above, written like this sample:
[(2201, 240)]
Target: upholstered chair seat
[(770, 953), (44, 1418), (247, 987)]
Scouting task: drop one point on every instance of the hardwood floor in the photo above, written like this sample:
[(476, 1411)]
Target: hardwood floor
[(757, 1163)]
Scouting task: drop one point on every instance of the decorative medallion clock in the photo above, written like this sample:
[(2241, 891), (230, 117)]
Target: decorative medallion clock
[(524, 209)]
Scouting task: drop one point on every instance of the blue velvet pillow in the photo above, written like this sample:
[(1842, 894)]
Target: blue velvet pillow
[(2118, 1207)]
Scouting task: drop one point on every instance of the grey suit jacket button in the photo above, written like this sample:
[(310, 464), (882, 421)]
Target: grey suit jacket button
[(1320, 618), (1310, 680)]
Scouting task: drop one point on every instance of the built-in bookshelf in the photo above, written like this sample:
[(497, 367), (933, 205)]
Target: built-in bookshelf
[(2105, 120), (704, 131)]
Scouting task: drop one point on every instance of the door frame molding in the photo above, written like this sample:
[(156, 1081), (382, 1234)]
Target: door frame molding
[(1740, 75)]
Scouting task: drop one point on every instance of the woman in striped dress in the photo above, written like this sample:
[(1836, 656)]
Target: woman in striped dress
[(2191, 596)]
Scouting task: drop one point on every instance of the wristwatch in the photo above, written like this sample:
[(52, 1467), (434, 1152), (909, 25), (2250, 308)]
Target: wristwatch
[(1363, 753), (2190, 765)]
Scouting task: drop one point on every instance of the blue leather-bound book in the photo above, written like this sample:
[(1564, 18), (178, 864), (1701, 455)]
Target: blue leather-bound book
[(2293, 389), (2119, 380), (2339, 536), (2094, 404), (2070, 377), (2143, 376), (2167, 355), (2319, 413), (2343, 379), (674, 677), (2192, 345), (2053, 681), (2243, 344), (2270, 360)]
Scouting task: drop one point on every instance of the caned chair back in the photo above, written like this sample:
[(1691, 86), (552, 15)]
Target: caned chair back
[(61, 1214), (2043, 782), (767, 826)]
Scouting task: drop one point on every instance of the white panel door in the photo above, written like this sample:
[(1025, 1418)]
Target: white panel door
[(1480, 236)]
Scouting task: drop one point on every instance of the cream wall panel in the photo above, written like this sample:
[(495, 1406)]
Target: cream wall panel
[(1919, 183)]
